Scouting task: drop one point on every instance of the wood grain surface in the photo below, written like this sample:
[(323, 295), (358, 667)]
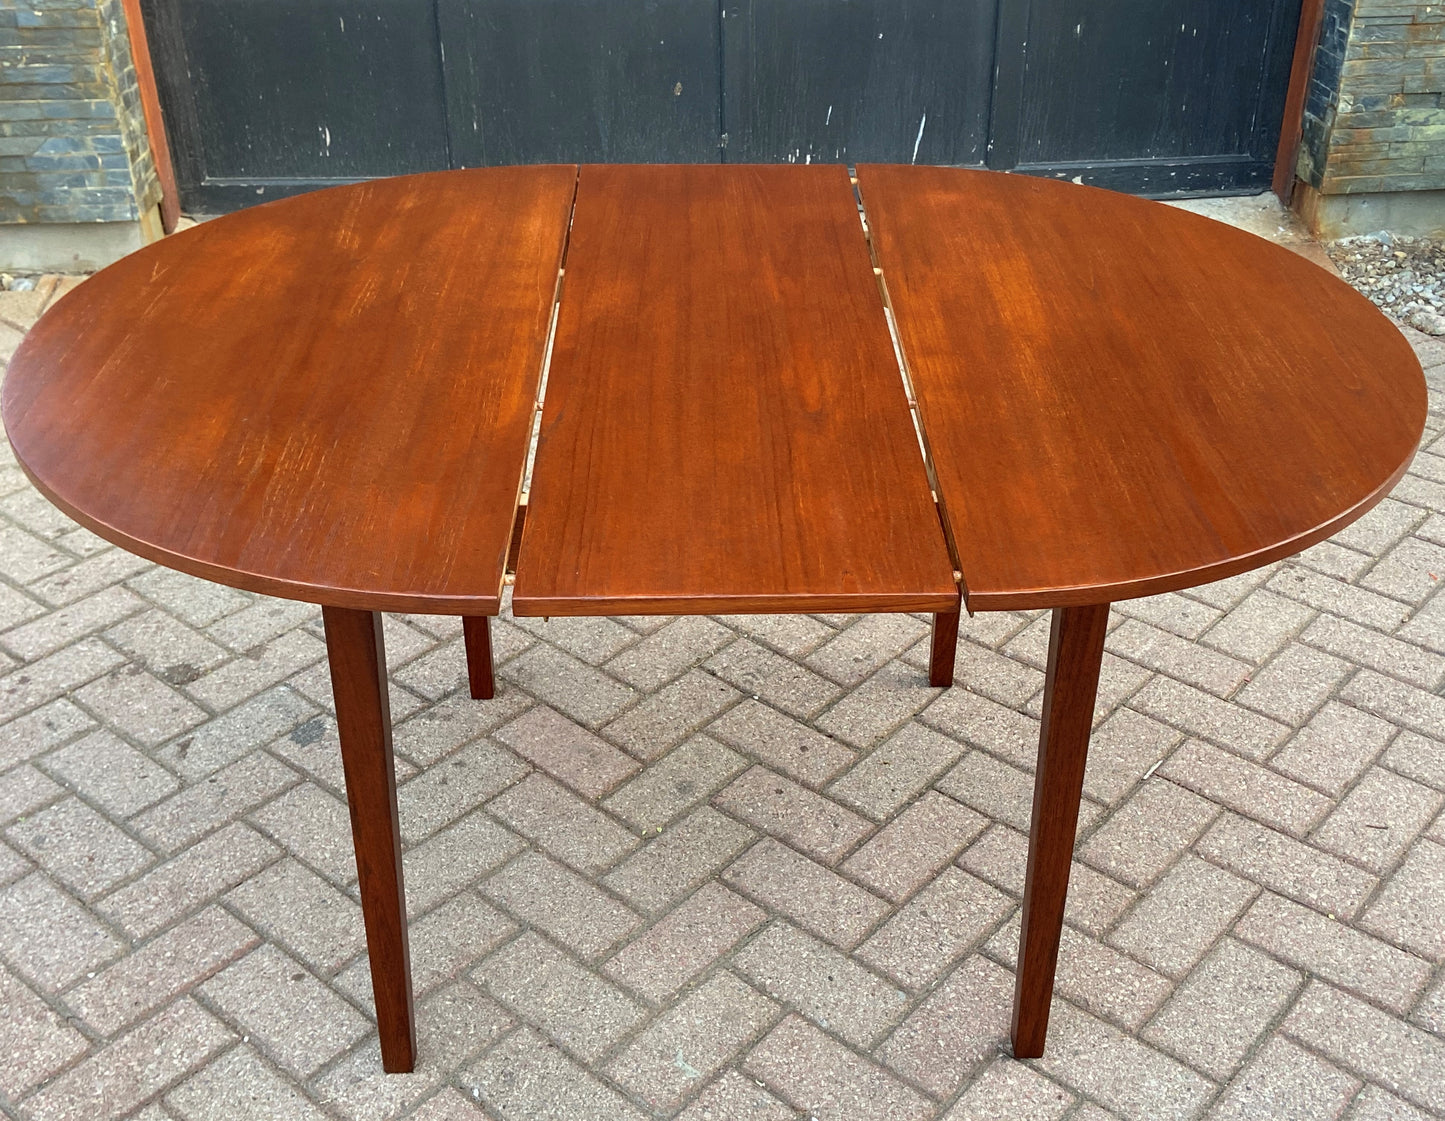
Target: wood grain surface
[(356, 652), (1122, 398), (477, 639), (1071, 683), (725, 428), (327, 398)]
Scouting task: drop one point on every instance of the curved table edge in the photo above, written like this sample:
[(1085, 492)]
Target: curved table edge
[(1029, 599), (356, 598)]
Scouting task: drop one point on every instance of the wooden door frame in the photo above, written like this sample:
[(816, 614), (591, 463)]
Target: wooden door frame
[(1312, 14), (151, 110)]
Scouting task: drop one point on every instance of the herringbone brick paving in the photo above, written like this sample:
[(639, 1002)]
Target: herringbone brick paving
[(731, 868)]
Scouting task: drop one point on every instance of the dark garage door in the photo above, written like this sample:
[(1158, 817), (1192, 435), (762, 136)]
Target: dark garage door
[(268, 97)]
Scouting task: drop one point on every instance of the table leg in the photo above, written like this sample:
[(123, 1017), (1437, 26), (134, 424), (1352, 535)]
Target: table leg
[(1076, 650), (363, 721), (477, 635), (945, 648)]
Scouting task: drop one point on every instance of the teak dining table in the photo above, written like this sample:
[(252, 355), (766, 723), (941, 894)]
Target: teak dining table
[(761, 389)]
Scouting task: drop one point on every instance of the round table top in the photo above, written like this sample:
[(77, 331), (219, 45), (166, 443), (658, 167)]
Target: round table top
[(330, 397)]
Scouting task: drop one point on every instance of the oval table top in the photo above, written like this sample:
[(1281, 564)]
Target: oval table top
[(330, 397)]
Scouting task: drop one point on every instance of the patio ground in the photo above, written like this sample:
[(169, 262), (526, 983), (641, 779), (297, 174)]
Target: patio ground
[(731, 868)]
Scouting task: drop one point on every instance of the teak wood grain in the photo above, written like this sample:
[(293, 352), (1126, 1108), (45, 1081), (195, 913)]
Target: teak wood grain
[(1076, 652), (725, 428), (357, 655), (477, 639), (1122, 398), (327, 398)]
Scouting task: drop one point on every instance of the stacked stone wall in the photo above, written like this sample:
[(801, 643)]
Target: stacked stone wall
[(73, 143), (1375, 115)]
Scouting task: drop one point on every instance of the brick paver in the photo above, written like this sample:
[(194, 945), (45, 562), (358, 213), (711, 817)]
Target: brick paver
[(732, 868)]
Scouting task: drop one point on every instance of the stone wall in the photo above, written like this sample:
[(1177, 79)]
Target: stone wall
[(1374, 122), (73, 144), (1324, 88)]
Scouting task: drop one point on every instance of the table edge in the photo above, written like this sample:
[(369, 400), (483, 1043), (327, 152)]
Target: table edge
[(842, 603), (357, 598), (1028, 599)]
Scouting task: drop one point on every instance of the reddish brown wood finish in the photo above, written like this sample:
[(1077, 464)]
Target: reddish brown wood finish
[(725, 428), (327, 398), (363, 723), (1122, 398), (944, 651), (477, 637), (516, 546), (1076, 650), (1307, 37)]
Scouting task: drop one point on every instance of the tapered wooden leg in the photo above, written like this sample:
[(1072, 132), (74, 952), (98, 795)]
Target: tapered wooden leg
[(363, 721), (477, 634), (1076, 650), (945, 648)]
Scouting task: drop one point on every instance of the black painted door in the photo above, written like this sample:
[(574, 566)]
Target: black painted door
[(858, 80), (591, 81), (268, 97), (1151, 96)]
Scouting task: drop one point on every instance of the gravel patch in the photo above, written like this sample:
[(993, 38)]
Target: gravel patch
[(1404, 276)]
